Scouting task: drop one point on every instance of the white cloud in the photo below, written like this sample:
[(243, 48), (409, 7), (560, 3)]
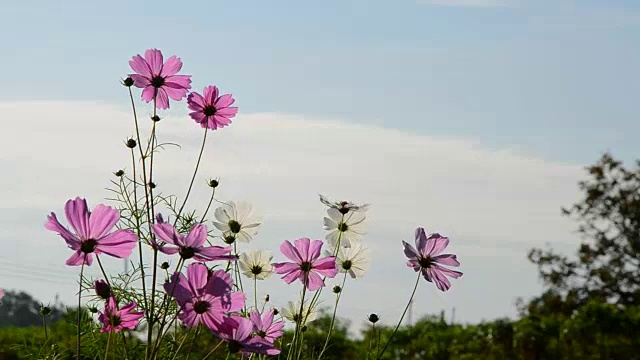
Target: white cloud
[(493, 204), (465, 3)]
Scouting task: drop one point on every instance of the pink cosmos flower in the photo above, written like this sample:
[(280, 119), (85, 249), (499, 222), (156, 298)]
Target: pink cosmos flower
[(204, 296), (102, 289), (211, 111), (158, 78), (191, 245), (236, 331), (429, 261), (116, 320), (307, 265), (264, 326), (92, 232)]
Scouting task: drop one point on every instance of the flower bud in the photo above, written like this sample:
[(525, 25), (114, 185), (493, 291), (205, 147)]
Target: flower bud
[(266, 299), (164, 265), (213, 183), (119, 173), (131, 143), (159, 219), (103, 289), (337, 289), (155, 118), (128, 82), (304, 328), (373, 318), (45, 310), (152, 185), (229, 239), (93, 309), (275, 312)]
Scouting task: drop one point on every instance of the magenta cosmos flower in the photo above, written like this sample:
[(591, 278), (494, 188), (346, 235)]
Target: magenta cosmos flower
[(429, 260), (211, 111), (204, 296), (92, 232), (264, 326), (236, 331), (191, 245), (158, 79), (116, 320), (307, 265)]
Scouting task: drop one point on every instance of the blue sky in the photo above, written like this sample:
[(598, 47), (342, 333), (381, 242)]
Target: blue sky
[(553, 78), (482, 113)]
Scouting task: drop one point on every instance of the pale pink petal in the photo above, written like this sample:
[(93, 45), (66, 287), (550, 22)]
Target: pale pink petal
[(327, 263), (78, 216), (175, 94), (293, 276), (54, 225), (451, 273), (256, 320), (224, 101), (329, 272), (195, 102), (162, 100), (118, 244), (291, 252), (167, 233), (446, 259), (439, 244), (140, 65), (140, 81), (219, 284), (196, 237), (154, 59), (189, 318), (212, 253), (302, 246), (198, 276), (171, 66), (244, 328), (410, 251), (168, 250), (210, 94), (148, 93), (179, 288), (227, 111), (413, 263), (221, 121), (421, 241), (314, 281), (283, 268), (178, 81), (439, 279), (314, 249), (78, 258), (102, 219), (198, 117)]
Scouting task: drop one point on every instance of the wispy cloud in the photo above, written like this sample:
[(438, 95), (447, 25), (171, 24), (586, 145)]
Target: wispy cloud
[(465, 3), (494, 204)]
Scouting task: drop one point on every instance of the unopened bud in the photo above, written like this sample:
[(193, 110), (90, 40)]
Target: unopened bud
[(275, 312), (131, 143), (266, 299), (152, 185), (304, 328), (93, 309), (229, 239), (128, 82), (155, 118), (213, 183), (103, 289), (119, 173), (45, 310), (337, 289), (373, 318), (164, 265)]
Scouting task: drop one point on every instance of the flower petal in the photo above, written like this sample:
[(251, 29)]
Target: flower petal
[(78, 216), (102, 219), (291, 252), (196, 237), (171, 66), (140, 65), (118, 244), (154, 59), (167, 233), (446, 259), (210, 94), (54, 225)]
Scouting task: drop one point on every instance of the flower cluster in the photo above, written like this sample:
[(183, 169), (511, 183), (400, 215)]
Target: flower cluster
[(205, 290)]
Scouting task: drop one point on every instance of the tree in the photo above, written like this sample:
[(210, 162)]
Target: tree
[(20, 309), (607, 264)]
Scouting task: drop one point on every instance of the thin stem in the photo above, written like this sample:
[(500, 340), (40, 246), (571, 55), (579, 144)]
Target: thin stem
[(126, 348), (214, 349), (300, 318), (106, 352), (213, 193), (181, 343), (44, 324), (255, 291), (333, 318), (80, 305), (373, 335), (138, 230), (166, 301), (150, 216), (193, 341), (193, 178), (379, 355), (103, 272)]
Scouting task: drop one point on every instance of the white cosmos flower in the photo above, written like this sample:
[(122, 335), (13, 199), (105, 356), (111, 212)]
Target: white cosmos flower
[(354, 260), (237, 221), (292, 312), (348, 227), (256, 264), (342, 206)]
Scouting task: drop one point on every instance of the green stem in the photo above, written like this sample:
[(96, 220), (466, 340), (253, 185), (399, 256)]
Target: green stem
[(151, 215), (182, 343), (80, 306), (138, 230), (255, 291), (214, 349), (379, 355), (299, 321), (44, 324), (106, 352), (102, 270), (193, 178), (165, 309), (333, 318), (193, 341)]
